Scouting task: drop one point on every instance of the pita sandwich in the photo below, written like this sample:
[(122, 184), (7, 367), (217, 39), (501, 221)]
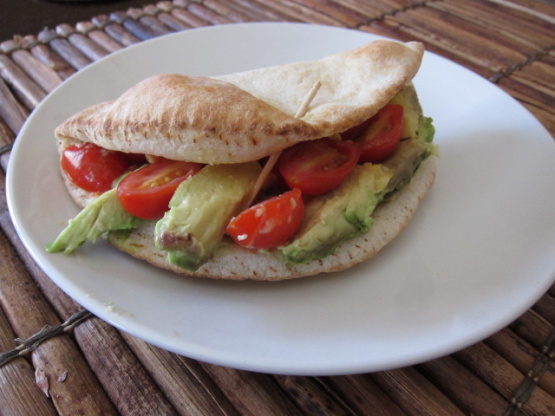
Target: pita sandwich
[(251, 116)]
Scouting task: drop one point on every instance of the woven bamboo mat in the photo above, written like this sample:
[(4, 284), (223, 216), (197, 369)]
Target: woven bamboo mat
[(59, 360)]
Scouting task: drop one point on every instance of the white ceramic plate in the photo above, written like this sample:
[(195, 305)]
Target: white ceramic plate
[(478, 253)]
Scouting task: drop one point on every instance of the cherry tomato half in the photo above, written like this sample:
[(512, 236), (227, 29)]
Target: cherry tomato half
[(318, 166), (93, 168), (269, 223), (146, 192), (380, 135)]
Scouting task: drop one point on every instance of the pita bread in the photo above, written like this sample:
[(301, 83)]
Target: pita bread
[(250, 115), (233, 262), (355, 83), (195, 119), (247, 116)]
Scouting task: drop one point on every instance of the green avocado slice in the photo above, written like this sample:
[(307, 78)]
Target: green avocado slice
[(200, 211), (347, 211), (340, 215), (103, 214)]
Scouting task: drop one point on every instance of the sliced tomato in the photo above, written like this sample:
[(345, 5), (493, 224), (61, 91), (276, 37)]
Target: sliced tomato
[(380, 135), (269, 223), (94, 168), (318, 166), (146, 192)]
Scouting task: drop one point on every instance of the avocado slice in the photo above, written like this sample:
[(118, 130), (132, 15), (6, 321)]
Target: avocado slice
[(103, 214), (347, 211), (339, 215), (408, 98), (200, 210)]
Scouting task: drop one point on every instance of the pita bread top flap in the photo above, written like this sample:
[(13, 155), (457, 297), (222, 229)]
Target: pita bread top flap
[(249, 115)]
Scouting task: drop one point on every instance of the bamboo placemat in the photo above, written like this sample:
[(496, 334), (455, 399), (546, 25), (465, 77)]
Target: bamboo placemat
[(56, 359)]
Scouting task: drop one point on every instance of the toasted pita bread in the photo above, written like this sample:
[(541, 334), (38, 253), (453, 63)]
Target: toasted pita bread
[(195, 119), (247, 116), (250, 115), (355, 83)]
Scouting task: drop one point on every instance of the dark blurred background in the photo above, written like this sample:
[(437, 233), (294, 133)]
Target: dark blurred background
[(29, 17)]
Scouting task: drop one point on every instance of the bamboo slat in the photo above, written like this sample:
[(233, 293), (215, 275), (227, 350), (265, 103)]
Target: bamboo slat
[(90, 49), (86, 46), (134, 27), (414, 393), (509, 42), (335, 14), (470, 393), (19, 393), (252, 393), (98, 36), (484, 51), (158, 27), (18, 390), (297, 11), (25, 88), (530, 29), (534, 328), (377, 10), (129, 386), (546, 307), (228, 9), (12, 112), (189, 18), (115, 30), (241, 12), (363, 396), (168, 19), (312, 396), (524, 357), (6, 138), (504, 378), (189, 388), (45, 77), (68, 52), (262, 11), (534, 84), (50, 58), (208, 15)]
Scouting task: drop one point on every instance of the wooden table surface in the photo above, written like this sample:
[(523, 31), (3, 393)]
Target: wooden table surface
[(57, 359)]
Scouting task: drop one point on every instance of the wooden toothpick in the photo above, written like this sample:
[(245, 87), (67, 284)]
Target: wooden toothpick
[(272, 160)]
